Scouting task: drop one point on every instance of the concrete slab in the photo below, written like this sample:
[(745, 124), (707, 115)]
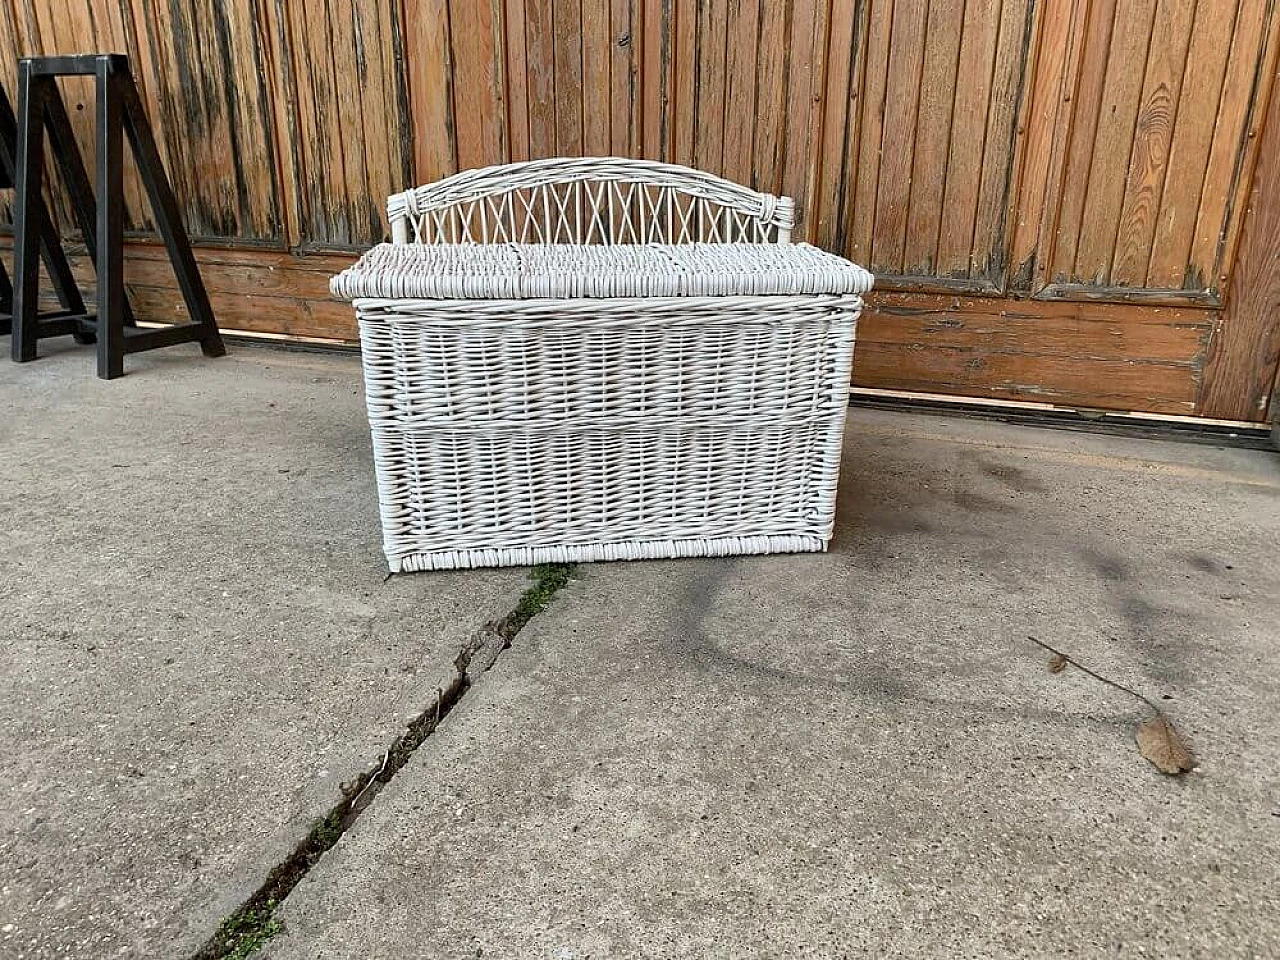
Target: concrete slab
[(196, 645), (859, 753)]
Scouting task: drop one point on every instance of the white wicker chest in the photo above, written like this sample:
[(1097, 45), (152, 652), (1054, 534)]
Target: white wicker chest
[(600, 359)]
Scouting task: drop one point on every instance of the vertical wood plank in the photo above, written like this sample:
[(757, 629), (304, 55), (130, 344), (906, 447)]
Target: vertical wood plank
[(964, 161), (1215, 220), (656, 78), (988, 253), (1153, 135), (775, 51), (346, 63), (1245, 349), (803, 136), (281, 86), (708, 140), (906, 59), (541, 78), (837, 161), (201, 70), (1087, 96), (517, 94), (568, 76), (624, 109), (1130, 44), (684, 111), (479, 89), (742, 119), (1057, 51), (874, 76), (430, 79), (596, 56), (1190, 145), (933, 135)]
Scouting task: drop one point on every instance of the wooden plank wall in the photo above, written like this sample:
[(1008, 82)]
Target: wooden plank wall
[(1053, 193)]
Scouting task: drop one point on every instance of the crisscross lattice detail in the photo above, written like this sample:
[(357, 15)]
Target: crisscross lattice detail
[(588, 200)]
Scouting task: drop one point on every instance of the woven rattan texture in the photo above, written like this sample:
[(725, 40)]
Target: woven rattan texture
[(510, 271), (585, 400)]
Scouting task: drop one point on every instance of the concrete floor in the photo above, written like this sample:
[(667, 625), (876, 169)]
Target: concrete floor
[(849, 754), (196, 645)]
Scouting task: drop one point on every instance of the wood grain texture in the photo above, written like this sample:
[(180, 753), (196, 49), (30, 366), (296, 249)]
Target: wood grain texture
[(201, 67), (1245, 354), (710, 86), (51, 27), (515, 66), (540, 77), (995, 185), (775, 54), (901, 103), (1239, 92), (1113, 143), (479, 83), (1190, 143), (1153, 134), (742, 121), (802, 137), (933, 135), (1097, 155), (1086, 95), (430, 82), (596, 76), (657, 76), (837, 150), (1242, 177), (1160, 148), (976, 68), (625, 104), (1056, 53), (684, 87), (567, 30), (1122, 358), (345, 63), (872, 82)]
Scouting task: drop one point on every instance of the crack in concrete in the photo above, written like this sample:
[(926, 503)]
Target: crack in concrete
[(254, 922)]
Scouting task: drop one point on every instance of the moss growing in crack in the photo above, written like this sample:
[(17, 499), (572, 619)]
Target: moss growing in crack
[(248, 929), (245, 932), (325, 833), (547, 579)]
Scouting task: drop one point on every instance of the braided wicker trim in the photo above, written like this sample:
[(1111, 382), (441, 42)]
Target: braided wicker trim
[(515, 271), (588, 552)]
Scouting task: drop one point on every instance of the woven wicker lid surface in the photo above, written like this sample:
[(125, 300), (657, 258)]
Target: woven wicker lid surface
[(517, 271)]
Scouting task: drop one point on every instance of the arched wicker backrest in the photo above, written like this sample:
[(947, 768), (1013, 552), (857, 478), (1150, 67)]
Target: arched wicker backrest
[(588, 200)]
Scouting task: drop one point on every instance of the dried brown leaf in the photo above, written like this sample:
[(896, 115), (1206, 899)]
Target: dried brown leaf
[(1057, 663), (1161, 743)]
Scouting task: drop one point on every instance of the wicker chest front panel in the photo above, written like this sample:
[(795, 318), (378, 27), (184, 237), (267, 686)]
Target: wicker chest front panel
[(530, 430)]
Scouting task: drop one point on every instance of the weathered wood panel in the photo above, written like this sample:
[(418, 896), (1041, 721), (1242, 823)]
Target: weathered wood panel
[(1243, 363), (349, 97), (1160, 145), (200, 68), (429, 78), (1078, 354)]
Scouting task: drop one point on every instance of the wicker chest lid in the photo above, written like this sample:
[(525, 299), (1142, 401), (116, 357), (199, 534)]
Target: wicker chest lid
[(517, 271)]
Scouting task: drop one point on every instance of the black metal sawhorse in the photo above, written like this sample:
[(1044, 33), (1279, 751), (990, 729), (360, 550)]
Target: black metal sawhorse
[(69, 318), (119, 110)]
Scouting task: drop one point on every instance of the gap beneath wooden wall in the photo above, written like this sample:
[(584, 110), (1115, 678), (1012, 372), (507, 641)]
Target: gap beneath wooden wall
[(1137, 424)]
